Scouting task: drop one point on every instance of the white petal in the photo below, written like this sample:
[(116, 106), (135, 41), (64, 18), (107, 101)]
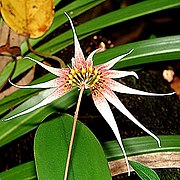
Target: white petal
[(73, 61), (55, 71), (58, 92), (103, 107), (112, 62), (112, 98), (79, 59), (89, 60), (49, 84), (118, 87), (119, 74)]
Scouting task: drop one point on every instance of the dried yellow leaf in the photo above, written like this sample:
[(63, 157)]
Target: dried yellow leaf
[(32, 17)]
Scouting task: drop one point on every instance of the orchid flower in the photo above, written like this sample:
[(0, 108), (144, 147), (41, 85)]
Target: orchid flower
[(99, 79)]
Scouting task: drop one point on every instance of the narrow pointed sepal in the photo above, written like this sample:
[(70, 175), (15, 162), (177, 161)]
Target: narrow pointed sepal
[(89, 60), (119, 74), (103, 107), (112, 62), (49, 84), (58, 92), (79, 59), (118, 87), (56, 71), (113, 99)]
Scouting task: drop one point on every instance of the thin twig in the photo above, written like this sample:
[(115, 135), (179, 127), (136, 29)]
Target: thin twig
[(44, 55), (73, 132)]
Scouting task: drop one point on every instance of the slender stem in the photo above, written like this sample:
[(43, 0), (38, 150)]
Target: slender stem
[(73, 132), (42, 54)]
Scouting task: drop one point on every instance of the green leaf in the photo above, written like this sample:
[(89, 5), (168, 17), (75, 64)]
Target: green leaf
[(56, 2), (141, 145), (127, 13), (134, 146), (144, 172), (22, 172), (51, 146), (14, 128), (146, 51), (6, 72)]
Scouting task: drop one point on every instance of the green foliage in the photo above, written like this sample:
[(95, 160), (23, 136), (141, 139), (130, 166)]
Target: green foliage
[(134, 146), (15, 128), (147, 51), (144, 172), (24, 171), (141, 145), (51, 147)]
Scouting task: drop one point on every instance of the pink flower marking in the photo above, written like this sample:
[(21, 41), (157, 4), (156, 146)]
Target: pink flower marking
[(99, 79)]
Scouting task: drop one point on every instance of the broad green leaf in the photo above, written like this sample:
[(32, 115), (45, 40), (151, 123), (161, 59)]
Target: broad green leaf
[(14, 128), (51, 147), (21, 172), (144, 172)]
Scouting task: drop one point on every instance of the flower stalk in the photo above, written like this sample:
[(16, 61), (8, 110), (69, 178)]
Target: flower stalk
[(73, 132)]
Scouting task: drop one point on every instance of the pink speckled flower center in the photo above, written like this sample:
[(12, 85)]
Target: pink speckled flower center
[(91, 77)]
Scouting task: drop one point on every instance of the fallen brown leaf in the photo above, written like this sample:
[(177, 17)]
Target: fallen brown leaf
[(9, 44), (28, 17), (153, 160), (24, 81)]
